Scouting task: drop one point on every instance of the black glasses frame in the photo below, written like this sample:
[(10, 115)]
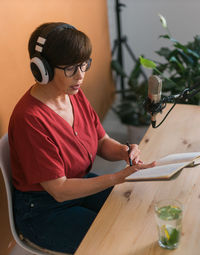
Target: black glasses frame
[(76, 67)]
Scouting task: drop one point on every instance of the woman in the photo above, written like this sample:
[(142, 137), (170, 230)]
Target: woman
[(54, 136)]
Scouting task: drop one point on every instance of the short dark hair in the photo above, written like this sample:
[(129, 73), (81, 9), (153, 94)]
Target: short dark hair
[(63, 46)]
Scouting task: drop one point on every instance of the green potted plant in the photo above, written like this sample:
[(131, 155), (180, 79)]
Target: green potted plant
[(181, 66), (179, 70)]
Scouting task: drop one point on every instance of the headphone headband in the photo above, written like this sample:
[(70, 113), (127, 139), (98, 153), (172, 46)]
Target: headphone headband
[(43, 37)]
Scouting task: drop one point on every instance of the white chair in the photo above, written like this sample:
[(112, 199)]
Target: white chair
[(6, 171)]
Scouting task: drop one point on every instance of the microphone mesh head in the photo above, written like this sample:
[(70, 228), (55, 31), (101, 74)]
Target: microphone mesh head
[(154, 88)]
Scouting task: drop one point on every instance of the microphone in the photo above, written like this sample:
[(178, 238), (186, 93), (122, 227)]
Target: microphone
[(154, 95)]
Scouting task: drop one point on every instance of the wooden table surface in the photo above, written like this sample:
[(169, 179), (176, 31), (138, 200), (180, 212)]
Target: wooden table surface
[(126, 223)]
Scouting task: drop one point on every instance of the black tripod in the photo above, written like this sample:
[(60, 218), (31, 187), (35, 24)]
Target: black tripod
[(119, 42)]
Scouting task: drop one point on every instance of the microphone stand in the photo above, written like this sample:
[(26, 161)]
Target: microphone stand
[(155, 108), (117, 47)]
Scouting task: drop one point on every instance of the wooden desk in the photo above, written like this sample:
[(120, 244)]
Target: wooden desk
[(126, 224)]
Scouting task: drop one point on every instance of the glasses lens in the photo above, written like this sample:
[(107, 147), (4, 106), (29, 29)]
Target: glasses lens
[(85, 66), (69, 71)]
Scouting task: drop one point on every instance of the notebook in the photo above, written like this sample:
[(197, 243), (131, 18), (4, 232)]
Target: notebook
[(166, 167)]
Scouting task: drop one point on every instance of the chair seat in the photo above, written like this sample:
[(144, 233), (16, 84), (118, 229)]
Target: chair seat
[(5, 168)]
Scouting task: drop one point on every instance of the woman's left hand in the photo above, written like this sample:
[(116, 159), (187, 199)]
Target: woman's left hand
[(132, 152)]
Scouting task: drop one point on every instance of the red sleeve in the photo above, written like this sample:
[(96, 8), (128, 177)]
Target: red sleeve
[(41, 159)]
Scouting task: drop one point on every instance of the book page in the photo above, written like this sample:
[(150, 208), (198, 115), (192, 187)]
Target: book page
[(157, 172), (178, 158)]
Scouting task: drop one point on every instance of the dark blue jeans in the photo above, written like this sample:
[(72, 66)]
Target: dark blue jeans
[(53, 225)]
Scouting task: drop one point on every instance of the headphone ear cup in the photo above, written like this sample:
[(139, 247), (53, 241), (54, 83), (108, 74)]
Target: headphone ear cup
[(41, 70)]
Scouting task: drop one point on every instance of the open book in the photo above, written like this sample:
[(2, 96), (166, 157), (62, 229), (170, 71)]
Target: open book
[(166, 167)]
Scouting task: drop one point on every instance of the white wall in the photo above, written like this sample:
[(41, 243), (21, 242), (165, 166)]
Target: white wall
[(141, 24)]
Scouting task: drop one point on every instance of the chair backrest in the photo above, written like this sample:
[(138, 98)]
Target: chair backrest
[(6, 172)]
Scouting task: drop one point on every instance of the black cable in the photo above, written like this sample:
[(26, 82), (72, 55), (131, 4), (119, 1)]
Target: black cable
[(181, 96), (165, 116)]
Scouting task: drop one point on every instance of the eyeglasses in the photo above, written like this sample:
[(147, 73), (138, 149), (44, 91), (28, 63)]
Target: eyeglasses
[(70, 71)]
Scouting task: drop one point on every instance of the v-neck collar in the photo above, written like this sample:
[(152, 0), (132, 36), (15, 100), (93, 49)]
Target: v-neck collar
[(55, 113)]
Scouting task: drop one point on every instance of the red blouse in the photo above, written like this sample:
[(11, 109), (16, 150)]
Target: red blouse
[(43, 146)]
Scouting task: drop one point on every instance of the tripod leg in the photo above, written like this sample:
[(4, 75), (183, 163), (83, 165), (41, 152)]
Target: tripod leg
[(114, 47), (130, 51)]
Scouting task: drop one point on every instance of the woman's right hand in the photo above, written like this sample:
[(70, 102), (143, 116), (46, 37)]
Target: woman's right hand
[(119, 177)]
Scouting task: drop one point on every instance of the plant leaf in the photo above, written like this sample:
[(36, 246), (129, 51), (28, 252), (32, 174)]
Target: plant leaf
[(164, 52), (193, 53), (187, 59), (174, 59), (187, 50), (147, 63), (166, 36)]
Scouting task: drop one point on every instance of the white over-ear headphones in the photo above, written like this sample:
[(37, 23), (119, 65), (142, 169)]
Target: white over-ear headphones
[(41, 69)]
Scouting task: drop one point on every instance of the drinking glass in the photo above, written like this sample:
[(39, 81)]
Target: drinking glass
[(169, 222)]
